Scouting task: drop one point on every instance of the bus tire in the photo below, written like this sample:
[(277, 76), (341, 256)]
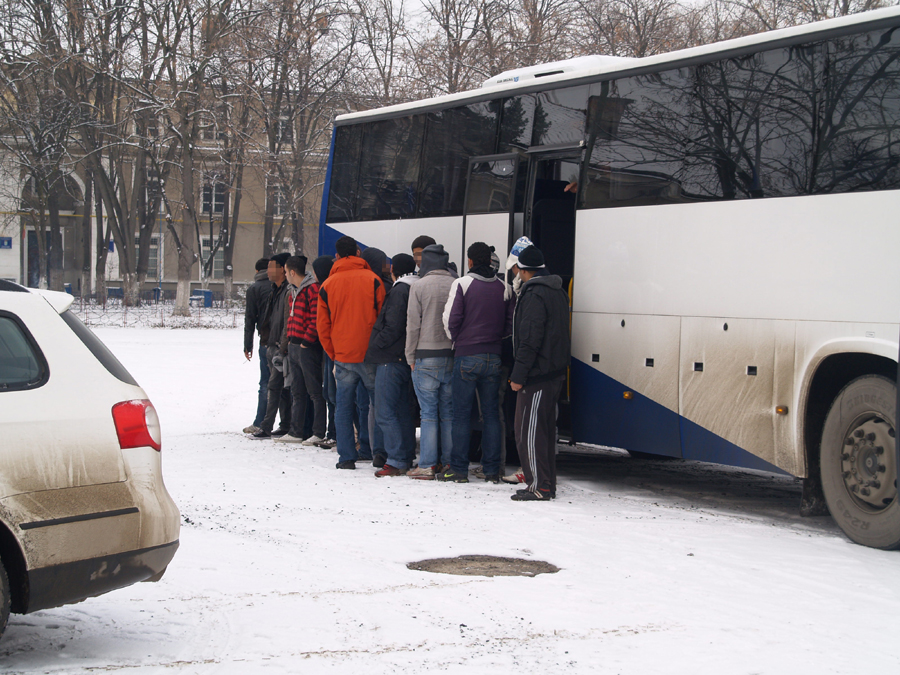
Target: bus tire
[(858, 462)]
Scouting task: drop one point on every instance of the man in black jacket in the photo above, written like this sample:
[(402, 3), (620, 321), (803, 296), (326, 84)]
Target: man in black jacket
[(541, 344), (279, 399), (257, 298), (387, 350)]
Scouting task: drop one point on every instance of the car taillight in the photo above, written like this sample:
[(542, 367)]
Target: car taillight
[(137, 424)]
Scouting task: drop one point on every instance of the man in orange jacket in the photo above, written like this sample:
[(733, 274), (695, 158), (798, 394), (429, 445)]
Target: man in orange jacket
[(349, 302)]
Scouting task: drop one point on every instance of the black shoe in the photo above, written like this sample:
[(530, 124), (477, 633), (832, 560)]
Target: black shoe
[(492, 478), (529, 496), (450, 476), (349, 464), (379, 460), (280, 432), (262, 433)]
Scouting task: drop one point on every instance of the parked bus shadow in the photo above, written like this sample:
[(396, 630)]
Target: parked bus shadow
[(675, 483)]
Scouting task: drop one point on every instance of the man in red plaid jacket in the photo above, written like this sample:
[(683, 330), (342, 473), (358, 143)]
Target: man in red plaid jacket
[(304, 353)]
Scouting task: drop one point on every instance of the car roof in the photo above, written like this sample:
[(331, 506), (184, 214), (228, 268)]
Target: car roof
[(57, 300)]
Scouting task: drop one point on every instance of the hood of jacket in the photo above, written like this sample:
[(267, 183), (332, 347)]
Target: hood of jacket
[(308, 280), (551, 280), (322, 267), (376, 259), (434, 258), (262, 275)]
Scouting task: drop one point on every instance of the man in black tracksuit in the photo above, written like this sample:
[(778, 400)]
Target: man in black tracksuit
[(541, 345)]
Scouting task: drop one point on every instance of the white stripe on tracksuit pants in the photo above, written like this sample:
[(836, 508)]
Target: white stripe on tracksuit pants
[(536, 433)]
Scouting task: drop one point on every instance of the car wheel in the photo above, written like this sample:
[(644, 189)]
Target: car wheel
[(859, 465), (4, 598)]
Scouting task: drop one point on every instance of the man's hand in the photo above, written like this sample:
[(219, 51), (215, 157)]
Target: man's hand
[(249, 354), (514, 386)]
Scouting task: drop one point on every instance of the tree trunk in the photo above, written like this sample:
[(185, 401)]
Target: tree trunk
[(55, 258), (84, 228), (185, 267), (131, 289)]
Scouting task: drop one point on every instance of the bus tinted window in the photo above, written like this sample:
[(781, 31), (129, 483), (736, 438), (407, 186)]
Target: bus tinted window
[(637, 133), (559, 116), (491, 187), (344, 174), (389, 168), (453, 136), (516, 123), (809, 119), (861, 120)]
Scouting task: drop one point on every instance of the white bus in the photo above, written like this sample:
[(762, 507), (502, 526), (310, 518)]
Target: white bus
[(730, 247)]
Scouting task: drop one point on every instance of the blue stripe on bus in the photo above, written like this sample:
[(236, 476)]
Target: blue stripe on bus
[(602, 416)]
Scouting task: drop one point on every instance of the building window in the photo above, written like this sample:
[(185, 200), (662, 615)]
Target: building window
[(153, 270), (279, 201), (284, 131), (214, 195), (218, 268)]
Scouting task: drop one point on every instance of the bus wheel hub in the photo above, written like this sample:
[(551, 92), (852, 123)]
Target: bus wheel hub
[(868, 452)]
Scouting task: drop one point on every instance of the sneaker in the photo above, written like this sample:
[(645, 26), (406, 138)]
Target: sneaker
[(513, 479), (261, 434), (478, 472), (327, 444), (450, 476), (491, 478), (379, 460), (252, 429), (280, 432), (389, 470), (529, 496), (315, 440), (349, 464), (439, 468), (288, 438), (422, 473)]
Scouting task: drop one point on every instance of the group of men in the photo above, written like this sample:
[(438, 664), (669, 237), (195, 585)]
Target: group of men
[(366, 341)]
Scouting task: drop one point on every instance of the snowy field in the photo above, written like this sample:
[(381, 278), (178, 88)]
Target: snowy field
[(289, 566)]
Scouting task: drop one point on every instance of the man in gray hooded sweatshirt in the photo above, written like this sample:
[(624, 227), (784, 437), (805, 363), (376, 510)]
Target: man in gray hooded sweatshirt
[(429, 353)]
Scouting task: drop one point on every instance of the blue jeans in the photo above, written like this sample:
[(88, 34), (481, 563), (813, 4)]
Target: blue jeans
[(431, 379), (329, 392), (347, 377), (393, 414), (263, 387), (481, 373), (368, 427)]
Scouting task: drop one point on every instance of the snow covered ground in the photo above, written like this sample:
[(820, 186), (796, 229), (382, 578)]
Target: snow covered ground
[(289, 566)]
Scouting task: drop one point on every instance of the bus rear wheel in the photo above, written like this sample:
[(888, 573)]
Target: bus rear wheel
[(859, 462)]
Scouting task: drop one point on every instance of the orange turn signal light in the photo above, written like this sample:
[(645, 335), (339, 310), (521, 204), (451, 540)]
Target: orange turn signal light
[(781, 410), (628, 395)]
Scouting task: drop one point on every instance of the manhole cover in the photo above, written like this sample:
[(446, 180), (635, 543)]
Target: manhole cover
[(485, 566)]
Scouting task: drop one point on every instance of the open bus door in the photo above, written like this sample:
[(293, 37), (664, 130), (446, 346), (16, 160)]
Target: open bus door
[(551, 188)]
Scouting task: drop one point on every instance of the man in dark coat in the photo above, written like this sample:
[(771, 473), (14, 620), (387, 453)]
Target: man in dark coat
[(541, 345), (257, 298), (279, 399), (387, 351)]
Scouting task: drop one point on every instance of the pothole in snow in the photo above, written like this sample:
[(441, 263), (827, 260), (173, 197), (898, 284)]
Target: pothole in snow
[(484, 566)]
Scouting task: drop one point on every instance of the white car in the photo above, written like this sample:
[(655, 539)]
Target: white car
[(83, 507)]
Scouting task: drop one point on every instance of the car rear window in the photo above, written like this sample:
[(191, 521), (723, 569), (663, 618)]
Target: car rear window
[(98, 349), (22, 365)]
